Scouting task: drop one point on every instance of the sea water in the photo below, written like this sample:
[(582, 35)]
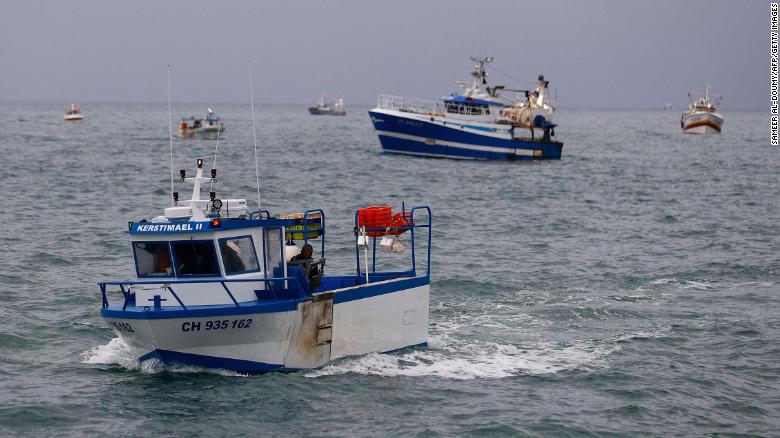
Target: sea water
[(630, 288)]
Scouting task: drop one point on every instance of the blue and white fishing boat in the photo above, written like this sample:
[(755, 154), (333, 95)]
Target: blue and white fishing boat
[(220, 287), (209, 126), (477, 123)]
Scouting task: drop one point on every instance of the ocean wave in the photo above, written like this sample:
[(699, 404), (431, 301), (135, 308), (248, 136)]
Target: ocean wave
[(684, 284)]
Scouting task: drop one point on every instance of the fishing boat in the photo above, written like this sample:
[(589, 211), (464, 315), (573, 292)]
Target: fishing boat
[(73, 114), (702, 116), (218, 286), (208, 126), (479, 122), (324, 108)]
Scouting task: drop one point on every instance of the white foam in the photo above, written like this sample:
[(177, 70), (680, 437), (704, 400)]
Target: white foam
[(450, 358), (117, 352), (685, 284)]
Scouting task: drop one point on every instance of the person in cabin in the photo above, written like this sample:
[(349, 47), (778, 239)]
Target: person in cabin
[(162, 260), (232, 257), (305, 255), (304, 260)]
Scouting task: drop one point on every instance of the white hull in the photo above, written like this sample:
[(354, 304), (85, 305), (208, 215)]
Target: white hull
[(208, 130), (73, 117), (701, 122), (316, 332)]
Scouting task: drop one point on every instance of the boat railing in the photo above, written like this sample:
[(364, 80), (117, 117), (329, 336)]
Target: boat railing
[(126, 287), (468, 110), (410, 105), (434, 108), (411, 226)]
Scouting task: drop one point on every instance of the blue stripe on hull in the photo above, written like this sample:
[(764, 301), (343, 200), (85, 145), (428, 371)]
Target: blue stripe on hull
[(372, 290), (255, 307), (173, 358), (259, 307), (400, 145), (390, 123)]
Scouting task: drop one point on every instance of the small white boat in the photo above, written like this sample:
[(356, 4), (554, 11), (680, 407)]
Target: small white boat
[(208, 126), (73, 114), (701, 116), (325, 109)]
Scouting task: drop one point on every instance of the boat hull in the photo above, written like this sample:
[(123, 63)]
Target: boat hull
[(416, 134), (318, 112), (74, 117), (209, 132), (287, 335), (700, 122)]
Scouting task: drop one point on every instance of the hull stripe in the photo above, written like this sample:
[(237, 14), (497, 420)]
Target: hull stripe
[(350, 294), (709, 123), (502, 150), (170, 357)]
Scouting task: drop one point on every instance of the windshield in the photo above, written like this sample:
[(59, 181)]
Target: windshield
[(194, 257), (152, 259), (238, 255)]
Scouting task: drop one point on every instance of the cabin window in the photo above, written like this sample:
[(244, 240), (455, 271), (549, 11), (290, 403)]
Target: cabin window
[(467, 109), (153, 259), (274, 247), (238, 255), (195, 257)]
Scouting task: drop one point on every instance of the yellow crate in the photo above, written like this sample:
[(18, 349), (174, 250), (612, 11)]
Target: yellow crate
[(295, 232)]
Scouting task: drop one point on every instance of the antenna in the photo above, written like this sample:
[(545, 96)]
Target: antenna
[(254, 132), (216, 148), (170, 130)]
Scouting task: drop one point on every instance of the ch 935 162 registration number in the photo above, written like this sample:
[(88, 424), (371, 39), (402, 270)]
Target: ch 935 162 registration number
[(216, 324)]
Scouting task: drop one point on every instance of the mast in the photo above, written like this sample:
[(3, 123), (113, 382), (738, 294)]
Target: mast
[(479, 74)]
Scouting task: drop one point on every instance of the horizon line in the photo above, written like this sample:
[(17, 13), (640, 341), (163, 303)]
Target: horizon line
[(359, 104)]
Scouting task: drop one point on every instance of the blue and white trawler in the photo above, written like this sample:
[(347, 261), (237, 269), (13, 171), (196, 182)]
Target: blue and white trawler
[(220, 287), (480, 122)]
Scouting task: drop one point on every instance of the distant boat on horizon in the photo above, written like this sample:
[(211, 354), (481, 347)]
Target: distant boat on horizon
[(701, 116), (73, 114), (323, 108), (207, 127)]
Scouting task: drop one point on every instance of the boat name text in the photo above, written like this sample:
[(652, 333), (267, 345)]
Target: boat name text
[(224, 324), (187, 226)]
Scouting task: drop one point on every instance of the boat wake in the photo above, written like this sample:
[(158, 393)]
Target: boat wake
[(452, 358)]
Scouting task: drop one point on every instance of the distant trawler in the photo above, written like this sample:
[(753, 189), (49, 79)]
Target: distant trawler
[(208, 126), (325, 109), (73, 114), (701, 116), (478, 123)]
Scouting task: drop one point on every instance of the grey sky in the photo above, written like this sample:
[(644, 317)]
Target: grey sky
[(595, 53)]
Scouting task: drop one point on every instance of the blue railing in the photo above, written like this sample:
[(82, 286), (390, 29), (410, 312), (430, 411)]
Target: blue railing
[(321, 230), (411, 227), (260, 214), (130, 298)]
